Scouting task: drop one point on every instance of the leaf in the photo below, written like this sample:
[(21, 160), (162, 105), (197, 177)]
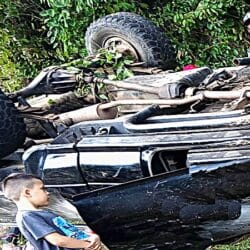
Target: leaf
[(103, 97), (112, 77)]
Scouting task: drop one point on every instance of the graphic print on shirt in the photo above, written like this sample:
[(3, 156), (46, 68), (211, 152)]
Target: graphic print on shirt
[(69, 229)]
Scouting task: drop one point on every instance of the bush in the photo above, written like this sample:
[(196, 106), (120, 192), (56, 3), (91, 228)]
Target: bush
[(207, 32), (38, 33), (66, 22), (23, 43)]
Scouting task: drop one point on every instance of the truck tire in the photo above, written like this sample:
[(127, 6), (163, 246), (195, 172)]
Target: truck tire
[(12, 127), (132, 34)]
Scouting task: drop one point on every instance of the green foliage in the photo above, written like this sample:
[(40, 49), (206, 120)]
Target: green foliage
[(67, 20), (242, 244), (206, 32), (105, 62), (8, 71), (38, 33), (23, 47), (114, 63)]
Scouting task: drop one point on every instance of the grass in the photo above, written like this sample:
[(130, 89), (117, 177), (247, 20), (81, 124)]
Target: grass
[(241, 244)]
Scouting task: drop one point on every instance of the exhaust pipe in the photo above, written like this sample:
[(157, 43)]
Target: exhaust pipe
[(242, 61), (90, 113)]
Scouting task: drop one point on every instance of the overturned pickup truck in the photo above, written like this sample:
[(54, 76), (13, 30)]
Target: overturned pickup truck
[(171, 171), (176, 180), (173, 179)]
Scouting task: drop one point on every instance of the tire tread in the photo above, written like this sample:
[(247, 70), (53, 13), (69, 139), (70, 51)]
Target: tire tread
[(158, 51)]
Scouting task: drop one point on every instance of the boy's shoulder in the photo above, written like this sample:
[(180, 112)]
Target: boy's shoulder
[(35, 213)]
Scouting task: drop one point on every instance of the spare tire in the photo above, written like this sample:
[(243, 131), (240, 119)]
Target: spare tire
[(134, 35), (12, 127)]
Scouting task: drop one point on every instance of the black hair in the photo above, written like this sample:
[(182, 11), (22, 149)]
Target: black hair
[(13, 184)]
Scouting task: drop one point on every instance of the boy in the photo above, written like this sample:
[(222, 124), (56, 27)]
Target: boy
[(39, 226)]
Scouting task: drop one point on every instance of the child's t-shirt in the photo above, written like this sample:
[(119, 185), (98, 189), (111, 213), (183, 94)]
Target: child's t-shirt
[(34, 225)]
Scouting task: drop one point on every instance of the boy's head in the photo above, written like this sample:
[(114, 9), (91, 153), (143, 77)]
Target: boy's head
[(19, 185)]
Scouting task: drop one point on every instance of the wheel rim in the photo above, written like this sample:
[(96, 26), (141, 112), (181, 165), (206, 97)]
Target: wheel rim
[(122, 46)]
